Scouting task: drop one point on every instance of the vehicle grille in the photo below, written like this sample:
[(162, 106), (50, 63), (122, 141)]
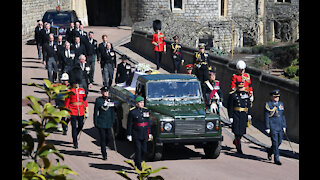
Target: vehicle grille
[(185, 127)]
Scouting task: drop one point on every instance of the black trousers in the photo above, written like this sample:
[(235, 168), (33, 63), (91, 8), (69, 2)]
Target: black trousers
[(202, 73), (105, 138), (158, 55), (77, 125), (237, 142), (140, 147)]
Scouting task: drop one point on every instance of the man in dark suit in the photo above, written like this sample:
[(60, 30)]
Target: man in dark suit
[(60, 63), (103, 119), (108, 63), (86, 79), (67, 55), (51, 58), (78, 48), (91, 53), (123, 70), (38, 37), (275, 124), (45, 38), (139, 129), (70, 33)]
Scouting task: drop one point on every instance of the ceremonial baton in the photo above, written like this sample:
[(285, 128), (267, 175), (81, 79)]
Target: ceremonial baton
[(289, 142)]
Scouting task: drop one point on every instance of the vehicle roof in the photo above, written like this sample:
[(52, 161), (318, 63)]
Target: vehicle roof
[(54, 10), (157, 77)]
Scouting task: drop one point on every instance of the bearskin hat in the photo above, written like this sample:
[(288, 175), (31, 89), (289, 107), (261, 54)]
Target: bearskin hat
[(156, 25), (75, 75)]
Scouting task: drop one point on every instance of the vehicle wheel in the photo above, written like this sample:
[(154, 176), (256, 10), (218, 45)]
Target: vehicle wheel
[(119, 132), (154, 151), (212, 150)]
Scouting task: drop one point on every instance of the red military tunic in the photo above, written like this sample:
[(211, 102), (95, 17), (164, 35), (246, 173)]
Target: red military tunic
[(245, 77), (76, 103), (158, 42)]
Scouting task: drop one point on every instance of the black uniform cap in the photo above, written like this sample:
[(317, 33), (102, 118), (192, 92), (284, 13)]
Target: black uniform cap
[(105, 88), (156, 25), (75, 75), (124, 57), (275, 93)]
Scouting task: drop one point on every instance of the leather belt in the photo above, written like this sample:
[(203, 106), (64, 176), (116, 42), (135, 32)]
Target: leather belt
[(77, 103), (141, 124), (240, 109)]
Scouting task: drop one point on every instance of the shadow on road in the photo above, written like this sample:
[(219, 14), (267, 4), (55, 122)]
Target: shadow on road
[(82, 153), (284, 153), (109, 167)]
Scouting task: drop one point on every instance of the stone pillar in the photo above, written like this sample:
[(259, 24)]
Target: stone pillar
[(80, 7), (125, 16)]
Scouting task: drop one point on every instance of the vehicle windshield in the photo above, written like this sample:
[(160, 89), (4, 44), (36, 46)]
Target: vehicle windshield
[(57, 18), (174, 89)]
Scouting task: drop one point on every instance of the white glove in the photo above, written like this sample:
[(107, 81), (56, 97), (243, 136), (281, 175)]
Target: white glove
[(231, 120), (268, 131), (105, 103), (87, 114), (251, 98), (220, 104), (284, 130), (249, 117), (150, 137), (129, 138)]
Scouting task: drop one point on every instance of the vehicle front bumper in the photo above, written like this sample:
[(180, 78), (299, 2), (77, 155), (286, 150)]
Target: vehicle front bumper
[(190, 140)]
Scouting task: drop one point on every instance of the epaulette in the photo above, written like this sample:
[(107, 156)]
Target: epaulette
[(132, 108), (231, 92)]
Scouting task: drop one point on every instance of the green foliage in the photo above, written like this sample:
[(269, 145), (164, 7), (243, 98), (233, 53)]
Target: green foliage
[(144, 174), (292, 71), (262, 61), (39, 166), (218, 52)]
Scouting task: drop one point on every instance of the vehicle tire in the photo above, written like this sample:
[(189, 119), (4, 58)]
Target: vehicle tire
[(212, 150), (119, 132), (154, 151)]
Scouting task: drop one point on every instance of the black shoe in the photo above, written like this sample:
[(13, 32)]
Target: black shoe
[(278, 163), (64, 133), (75, 146), (240, 151), (104, 157), (269, 154)]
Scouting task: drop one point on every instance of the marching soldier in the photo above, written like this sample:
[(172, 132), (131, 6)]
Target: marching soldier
[(103, 119), (77, 104), (158, 42), (275, 124), (239, 111), (201, 63), (139, 129), (212, 92), (123, 70), (176, 54), (241, 76)]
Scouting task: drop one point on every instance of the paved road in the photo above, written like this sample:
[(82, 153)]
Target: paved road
[(184, 162)]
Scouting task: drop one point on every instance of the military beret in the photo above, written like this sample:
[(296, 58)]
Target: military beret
[(275, 92), (104, 88), (139, 98)]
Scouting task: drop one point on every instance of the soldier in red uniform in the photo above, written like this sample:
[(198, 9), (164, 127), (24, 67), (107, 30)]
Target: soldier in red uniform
[(241, 76), (77, 105), (158, 42)]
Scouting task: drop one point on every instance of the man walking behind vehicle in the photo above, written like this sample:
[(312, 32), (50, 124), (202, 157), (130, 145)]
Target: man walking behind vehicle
[(103, 119)]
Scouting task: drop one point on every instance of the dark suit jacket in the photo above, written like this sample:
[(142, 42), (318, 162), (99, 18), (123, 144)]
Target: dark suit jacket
[(92, 48), (122, 73), (107, 57), (51, 51), (45, 36), (37, 35), (70, 35), (78, 51), (65, 60), (101, 49), (103, 116)]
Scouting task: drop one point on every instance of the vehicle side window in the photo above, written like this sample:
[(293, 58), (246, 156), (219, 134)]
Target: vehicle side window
[(140, 90)]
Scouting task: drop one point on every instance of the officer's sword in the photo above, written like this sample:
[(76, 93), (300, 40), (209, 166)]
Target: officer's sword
[(114, 140), (289, 142)]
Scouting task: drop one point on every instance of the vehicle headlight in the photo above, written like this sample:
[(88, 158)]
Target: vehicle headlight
[(210, 125), (167, 126)]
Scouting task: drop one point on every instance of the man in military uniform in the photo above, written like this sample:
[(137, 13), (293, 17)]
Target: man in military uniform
[(103, 119), (275, 124), (158, 42), (241, 76), (139, 129), (201, 63), (212, 92), (123, 70), (176, 54), (239, 111), (77, 104)]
